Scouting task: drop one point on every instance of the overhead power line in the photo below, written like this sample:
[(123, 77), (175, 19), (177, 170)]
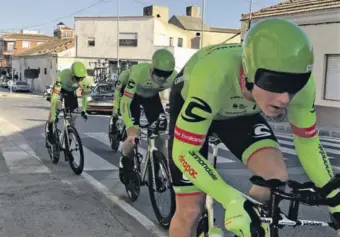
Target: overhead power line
[(59, 18)]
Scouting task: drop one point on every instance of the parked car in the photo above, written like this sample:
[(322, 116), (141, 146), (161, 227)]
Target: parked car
[(21, 86), (101, 98)]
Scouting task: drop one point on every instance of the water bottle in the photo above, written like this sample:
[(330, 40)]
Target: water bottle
[(215, 232)]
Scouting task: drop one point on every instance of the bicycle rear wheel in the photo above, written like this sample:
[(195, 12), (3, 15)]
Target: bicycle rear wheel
[(114, 136), (77, 168), (53, 150), (163, 183), (133, 186)]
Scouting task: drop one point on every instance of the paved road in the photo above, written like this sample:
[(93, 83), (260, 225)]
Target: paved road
[(25, 164)]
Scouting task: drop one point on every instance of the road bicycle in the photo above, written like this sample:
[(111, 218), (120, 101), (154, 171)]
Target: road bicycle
[(63, 139), (301, 193), (151, 171)]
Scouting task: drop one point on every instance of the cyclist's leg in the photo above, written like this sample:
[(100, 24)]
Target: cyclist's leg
[(189, 199), (153, 108), (126, 160), (50, 134), (251, 139), (71, 102), (127, 147)]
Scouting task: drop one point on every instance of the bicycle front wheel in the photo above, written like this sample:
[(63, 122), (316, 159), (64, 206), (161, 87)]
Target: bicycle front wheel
[(77, 165), (163, 186)]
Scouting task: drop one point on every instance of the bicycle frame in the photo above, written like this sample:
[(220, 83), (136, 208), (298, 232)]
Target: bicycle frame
[(149, 156), (64, 136)]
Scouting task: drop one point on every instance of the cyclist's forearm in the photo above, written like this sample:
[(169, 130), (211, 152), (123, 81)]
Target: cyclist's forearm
[(53, 111), (84, 103), (202, 174), (314, 159), (116, 100), (126, 110)]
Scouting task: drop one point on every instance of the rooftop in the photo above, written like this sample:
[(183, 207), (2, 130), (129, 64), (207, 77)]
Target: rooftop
[(293, 7), (51, 47), (19, 36)]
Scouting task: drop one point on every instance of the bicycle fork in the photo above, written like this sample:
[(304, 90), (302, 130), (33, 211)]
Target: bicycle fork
[(149, 158)]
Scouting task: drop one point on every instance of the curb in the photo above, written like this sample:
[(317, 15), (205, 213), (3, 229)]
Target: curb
[(323, 131)]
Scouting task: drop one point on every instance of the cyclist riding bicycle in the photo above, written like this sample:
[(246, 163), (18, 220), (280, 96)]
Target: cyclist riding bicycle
[(68, 81), (120, 84), (222, 89), (145, 82)]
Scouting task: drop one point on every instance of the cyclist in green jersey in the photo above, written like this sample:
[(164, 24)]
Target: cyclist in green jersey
[(222, 89), (145, 82), (68, 81), (120, 84), (122, 80)]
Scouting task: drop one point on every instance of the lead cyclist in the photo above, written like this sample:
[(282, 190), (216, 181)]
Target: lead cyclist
[(223, 89)]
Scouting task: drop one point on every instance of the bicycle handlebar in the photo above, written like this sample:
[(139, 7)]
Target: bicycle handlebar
[(306, 193)]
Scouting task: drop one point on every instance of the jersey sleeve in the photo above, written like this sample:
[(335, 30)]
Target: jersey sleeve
[(122, 78), (86, 89), (302, 119), (127, 97), (203, 102), (55, 97)]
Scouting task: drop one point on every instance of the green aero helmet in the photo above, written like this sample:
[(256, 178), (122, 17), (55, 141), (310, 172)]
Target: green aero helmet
[(163, 63), (78, 70), (277, 56)]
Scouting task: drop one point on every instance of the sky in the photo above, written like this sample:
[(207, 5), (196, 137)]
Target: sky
[(44, 15)]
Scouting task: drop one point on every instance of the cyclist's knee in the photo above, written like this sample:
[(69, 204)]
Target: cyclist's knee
[(189, 208), (268, 163)]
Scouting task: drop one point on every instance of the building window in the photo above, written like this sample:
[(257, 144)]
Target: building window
[(10, 46), (180, 42), (26, 44), (128, 39), (171, 41), (332, 87), (91, 41)]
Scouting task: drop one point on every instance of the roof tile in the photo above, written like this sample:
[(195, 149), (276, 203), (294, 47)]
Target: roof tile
[(51, 47), (293, 7)]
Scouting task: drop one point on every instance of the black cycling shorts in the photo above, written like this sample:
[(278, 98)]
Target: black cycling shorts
[(152, 108), (71, 99)]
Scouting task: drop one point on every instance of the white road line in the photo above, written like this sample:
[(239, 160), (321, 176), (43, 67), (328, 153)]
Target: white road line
[(331, 151), (134, 213), (322, 138), (94, 162), (103, 137), (19, 156)]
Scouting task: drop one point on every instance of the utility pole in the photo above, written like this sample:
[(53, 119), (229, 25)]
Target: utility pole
[(118, 66), (250, 7), (202, 27)]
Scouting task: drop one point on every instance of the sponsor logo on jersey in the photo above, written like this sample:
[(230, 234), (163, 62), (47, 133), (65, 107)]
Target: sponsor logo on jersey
[(204, 164), (261, 130), (127, 94), (189, 137), (187, 167), (131, 84), (304, 132), (198, 105)]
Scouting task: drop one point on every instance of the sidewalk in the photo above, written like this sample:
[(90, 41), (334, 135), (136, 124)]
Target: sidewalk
[(35, 200), (323, 131)]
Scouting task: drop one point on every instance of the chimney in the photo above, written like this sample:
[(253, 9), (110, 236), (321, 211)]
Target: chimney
[(193, 11), (157, 11)]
